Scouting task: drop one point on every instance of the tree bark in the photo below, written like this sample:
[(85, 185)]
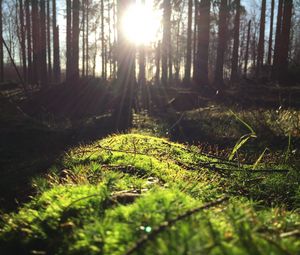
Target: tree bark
[(69, 70), (247, 49), (203, 43), (43, 63), (29, 44), (49, 42), (166, 43), (23, 40), (188, 64), (56, 57), (35, 41), (1, 45), (236, 44), (261, 40), (75, 41), (196, 17), (222, 41), (269, 61)]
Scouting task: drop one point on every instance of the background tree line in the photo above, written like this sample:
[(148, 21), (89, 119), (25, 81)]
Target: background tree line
[(200, 43)]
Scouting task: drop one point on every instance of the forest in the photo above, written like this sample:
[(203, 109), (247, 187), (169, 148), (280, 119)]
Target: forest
[(142, 127)]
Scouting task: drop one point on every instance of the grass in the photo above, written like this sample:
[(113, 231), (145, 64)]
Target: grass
[(103, 198)]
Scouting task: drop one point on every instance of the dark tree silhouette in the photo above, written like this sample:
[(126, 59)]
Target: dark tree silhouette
[(261, 41)]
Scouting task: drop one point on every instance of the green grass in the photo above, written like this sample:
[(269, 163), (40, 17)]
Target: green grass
[(105, 197)]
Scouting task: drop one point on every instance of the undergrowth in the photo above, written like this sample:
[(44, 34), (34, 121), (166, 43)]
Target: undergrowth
[(139, 194)]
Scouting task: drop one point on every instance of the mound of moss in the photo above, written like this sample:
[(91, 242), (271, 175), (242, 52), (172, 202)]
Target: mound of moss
[(138, 194)]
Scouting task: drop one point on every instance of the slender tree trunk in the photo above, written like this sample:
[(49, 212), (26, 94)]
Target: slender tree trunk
[(75, 41), (271, 34), (142, 63), (23, 40), (157, 63), (203, 42), (236, 44), (196, 18), (87, 58), (49, 42), (247, 49), (35, 41), (69, 68), (29, 45), (1, 45), (166, 40), (261, 41), (222, 41), (275, 68), (188, 64), (43, 63), (83, 38), (102, 41), (285, 40), (56, 57)]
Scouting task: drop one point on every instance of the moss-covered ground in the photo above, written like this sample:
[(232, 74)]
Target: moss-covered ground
[(140, 194)]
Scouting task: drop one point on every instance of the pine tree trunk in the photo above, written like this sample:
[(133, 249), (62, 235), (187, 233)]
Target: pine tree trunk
[(166, 40), (247, 49), (43, 63), (87, 58), (236, 44), (188, 64), (102, 41), (49, 42), (75, 41), (56, 56), (35, 42), (69, 70), (23, 40), (269, 61), (83, 38), (275, 68), (195, 41), (29, 44), (203, 43), (157, 63), (222, 41), (261, 41), (285, 40), (142, 63)]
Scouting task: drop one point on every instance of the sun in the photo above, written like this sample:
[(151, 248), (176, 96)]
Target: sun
[(141, 24)]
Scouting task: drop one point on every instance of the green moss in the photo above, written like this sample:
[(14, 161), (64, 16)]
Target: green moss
[(78, 211)]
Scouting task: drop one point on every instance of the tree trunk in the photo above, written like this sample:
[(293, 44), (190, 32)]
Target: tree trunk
[(83, 38), (157, 63), (35, 41), (261, 40), (222, 41), (75, 41), (23, 40), (43, 63), (188, 64), (29, 45), (56, 57), (49, 42), (166, 40), (285, 40), (1, 45), (87, 58), (102, 41), (203, 43), (196, 17), (236, 44), (69, 70), (269, 61), (275, 69), (247, 49)]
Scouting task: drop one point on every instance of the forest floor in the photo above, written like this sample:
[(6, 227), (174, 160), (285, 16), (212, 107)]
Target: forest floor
[(199, 177)]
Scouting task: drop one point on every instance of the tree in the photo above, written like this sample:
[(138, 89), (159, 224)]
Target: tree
[(271, 33), (35, 41), (203, 43), (166, 40), (285, 40), (43, 53), (69, 41), (235, 54), (1, 45), (75, 41), (195, 49), (29, 44), (261, 40), (188, 64), (23, 39), (56, 57), (247, 49), (49, 42), (222, 41)]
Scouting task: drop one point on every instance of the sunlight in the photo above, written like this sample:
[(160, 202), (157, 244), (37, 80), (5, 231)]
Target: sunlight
[(141, 24)]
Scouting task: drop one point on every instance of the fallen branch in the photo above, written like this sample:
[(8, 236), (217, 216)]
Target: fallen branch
[(169, 223)]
